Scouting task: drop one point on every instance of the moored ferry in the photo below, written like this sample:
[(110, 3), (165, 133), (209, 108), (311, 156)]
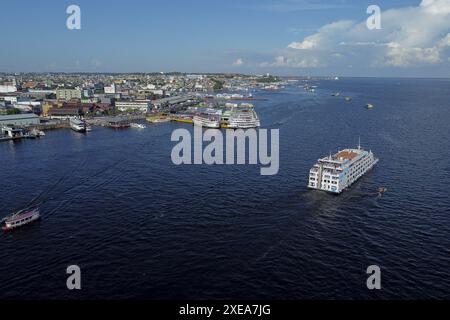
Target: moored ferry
[(207, 121), (338, 172), (21, 218), (77, 125), (243, 119)]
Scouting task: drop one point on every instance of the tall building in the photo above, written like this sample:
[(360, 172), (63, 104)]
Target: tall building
[(68, 94)]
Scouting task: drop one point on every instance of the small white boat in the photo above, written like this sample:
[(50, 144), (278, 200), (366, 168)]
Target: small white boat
[(137, 126)]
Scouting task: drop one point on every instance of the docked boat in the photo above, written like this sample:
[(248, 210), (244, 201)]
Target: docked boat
[(243, 118), (118, 123), (20, 219), (137, 126), (207, 121), (338, 172), (77, 125)]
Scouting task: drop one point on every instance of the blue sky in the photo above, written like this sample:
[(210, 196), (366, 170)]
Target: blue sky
[(288, 37)]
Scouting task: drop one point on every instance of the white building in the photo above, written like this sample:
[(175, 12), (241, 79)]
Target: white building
[(68, 94), (158, 92), (111, 89), (137, 105), (8, 88)]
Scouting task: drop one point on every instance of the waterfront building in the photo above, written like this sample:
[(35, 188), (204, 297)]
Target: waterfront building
[(137, 105), (63, 113), (20, 120), (49, 104)]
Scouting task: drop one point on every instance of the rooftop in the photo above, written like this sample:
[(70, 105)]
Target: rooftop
[(18, 116), (346, 154)]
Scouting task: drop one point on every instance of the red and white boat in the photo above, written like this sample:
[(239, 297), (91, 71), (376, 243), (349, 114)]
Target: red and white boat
[(21, 218)]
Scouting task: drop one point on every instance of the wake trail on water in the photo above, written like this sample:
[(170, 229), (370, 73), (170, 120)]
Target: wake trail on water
[(64, 203)]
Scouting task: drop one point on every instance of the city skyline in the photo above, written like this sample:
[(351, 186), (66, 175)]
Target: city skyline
[(289, 37)]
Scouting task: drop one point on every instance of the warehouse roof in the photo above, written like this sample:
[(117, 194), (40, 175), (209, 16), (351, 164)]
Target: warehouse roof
[(24, 116)]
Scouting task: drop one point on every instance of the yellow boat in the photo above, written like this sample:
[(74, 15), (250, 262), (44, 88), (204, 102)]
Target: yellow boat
[(183, 120)]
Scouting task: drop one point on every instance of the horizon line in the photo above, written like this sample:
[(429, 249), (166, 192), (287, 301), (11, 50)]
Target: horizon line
[(221, 73)]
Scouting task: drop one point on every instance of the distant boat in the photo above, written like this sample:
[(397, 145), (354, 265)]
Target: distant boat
[(348, 99), (369, 106), (20, 219), (335, 94)]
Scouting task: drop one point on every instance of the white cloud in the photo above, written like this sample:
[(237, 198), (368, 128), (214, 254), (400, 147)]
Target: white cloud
[(410, 36), (291, 62), (238, 62)]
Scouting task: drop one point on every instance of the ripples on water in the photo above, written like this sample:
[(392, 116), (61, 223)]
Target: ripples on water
[(140, 227)]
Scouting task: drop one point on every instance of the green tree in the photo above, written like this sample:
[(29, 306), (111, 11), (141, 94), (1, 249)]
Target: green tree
[(13, 111), (218, 85)]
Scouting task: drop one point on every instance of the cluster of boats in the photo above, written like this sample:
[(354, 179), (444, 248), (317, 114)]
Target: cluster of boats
[(235, 117), (230, 116), (79, 125)]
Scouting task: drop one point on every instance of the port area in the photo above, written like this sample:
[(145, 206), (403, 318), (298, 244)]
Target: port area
[(114, 121), (14, 132)]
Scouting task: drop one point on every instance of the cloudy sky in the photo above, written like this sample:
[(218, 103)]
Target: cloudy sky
[(286, 37)]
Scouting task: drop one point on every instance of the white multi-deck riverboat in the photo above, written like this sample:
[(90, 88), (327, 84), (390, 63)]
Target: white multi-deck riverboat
[(207, 121), (77, 125), (243, 118), (338, 172)]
